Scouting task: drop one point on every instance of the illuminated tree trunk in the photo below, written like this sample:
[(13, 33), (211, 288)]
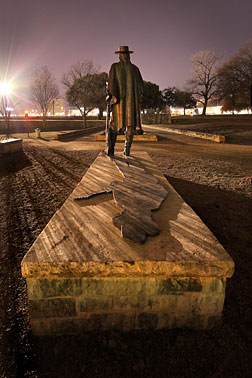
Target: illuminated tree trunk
[(251, 96), (44, 121), (100, 114), (84, 116), (204, 107)]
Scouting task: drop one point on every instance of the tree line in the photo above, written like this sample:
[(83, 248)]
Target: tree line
[(85, 88), (85, 85), (230, 81)]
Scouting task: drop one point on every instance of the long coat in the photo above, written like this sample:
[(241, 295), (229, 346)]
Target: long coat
[(126, 85)]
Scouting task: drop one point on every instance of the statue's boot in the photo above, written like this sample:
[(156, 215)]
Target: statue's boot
[(138, 131), (110, 142), (128, 140)]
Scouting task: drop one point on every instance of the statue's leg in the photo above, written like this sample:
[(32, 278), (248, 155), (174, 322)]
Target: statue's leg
[(128, 140), (111, 141)]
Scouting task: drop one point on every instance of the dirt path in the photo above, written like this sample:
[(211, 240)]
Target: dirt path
[(213, 179), (33, 185)]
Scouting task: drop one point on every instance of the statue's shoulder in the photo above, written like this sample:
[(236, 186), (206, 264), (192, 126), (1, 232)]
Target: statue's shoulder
[(135, 67), (114, 65), (113, 69)]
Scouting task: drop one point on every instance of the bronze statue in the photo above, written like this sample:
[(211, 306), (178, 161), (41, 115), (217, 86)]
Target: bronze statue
[(125, 86)]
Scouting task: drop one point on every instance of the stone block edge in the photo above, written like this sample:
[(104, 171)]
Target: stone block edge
[(90, 269)]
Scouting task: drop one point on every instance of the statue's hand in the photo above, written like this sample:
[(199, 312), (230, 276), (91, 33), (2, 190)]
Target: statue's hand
[(109, 97)]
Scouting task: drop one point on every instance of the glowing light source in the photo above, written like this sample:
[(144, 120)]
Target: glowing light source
[(5, 88)]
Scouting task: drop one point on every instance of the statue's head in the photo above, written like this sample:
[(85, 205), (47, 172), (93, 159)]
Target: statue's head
[(124, 53)]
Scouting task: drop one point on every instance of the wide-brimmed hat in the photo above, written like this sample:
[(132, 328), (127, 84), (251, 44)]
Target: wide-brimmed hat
[(124, 50)]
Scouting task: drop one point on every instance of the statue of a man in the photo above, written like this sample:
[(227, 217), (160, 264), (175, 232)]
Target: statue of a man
[(125, 85)]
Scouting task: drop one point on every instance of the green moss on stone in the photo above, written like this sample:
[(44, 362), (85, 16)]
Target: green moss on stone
[(94, 304), (45, 288), (119, 287), (52, 308), (171, 285)]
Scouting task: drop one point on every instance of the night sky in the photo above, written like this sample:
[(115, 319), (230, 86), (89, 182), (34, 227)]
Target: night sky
[(162, 33)]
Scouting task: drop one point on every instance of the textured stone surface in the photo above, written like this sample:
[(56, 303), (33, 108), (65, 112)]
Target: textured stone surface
[(124, 303), (124, 286), (122, 320), (94, 304), (81, 240), (138, 194), (50, 308), (44, 288), (190, 302), (82, 275)]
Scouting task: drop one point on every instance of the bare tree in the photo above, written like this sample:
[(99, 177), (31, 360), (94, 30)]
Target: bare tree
[(242, 62), (87, 93), (43, 91), (78, 70), (203, 82)]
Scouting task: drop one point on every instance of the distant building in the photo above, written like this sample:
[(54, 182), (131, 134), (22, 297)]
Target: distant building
[(58, 107), (214, 107)]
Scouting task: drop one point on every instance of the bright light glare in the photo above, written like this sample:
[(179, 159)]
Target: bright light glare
[(5, 88)]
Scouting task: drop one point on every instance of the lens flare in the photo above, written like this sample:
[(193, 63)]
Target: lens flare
[(5, 88)]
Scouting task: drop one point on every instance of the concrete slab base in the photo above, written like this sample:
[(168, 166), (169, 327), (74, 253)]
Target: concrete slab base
[(82, 275), (10, 145), (195, 134)]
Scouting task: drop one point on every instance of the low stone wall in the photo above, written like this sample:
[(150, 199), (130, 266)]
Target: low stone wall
[(78, 133), (213, 137), (10, 145), (23, 126), (149, 119), (196, 134)]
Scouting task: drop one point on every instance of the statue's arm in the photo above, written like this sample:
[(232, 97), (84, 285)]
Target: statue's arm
[(140, 83), (112, 81)]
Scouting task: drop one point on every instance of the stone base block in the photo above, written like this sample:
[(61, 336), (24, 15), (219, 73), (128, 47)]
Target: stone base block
[(82, 275), (75, 305)]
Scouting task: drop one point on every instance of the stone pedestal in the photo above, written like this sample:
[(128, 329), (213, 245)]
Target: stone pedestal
[(82, 275)]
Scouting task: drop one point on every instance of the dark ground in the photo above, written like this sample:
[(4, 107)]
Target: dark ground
[(35, 183)]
